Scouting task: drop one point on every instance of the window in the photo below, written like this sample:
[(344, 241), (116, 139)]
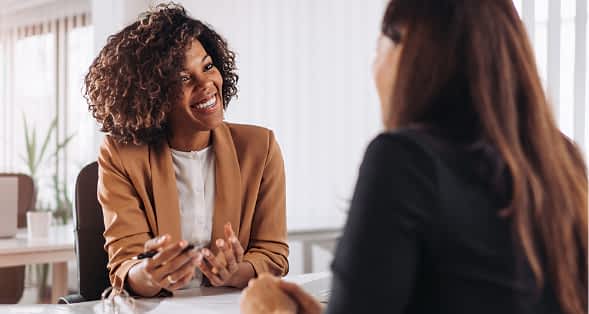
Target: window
[(556, 28), (41, 73), (81, 150)]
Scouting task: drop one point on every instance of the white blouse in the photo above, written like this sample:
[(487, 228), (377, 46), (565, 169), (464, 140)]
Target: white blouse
[(195, 181)]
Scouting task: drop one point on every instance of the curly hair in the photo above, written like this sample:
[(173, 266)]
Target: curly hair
[(134, 81)]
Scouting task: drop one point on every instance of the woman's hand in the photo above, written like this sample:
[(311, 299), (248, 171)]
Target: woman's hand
[(171, 268), (307, 303), (263, 295), (228, 267)]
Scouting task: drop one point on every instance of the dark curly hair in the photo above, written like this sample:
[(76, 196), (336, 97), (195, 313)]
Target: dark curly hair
[(133, 83)]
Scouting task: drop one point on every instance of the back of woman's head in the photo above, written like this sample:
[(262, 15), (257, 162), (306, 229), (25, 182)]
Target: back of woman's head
[(467, 69)]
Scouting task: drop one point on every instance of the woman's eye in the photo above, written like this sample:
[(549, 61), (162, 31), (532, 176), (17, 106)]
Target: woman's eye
[(184, 79), (209, 67)]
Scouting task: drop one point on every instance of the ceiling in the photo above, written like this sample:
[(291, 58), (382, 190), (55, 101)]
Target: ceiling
[(12, 6)]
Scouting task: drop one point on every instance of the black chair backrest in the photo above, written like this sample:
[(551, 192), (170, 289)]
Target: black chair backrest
[(89, 229)]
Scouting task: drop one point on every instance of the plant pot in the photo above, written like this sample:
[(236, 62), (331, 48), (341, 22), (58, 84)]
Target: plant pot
[(38, 223)]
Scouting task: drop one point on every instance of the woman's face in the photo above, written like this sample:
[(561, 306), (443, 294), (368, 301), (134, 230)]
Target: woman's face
[(201, 103), (384, 69)]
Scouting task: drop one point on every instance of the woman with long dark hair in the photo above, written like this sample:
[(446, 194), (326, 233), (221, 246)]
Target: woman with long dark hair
[(472, 200)]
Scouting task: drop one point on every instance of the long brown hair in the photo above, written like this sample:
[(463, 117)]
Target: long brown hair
[(467, 67)]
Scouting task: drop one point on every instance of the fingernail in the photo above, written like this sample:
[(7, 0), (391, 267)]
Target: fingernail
[(183, 243), (233, 239), (206, 252), (220, 243)]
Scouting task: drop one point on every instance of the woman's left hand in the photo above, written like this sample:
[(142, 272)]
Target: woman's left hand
[(264, 295), (228, 267)]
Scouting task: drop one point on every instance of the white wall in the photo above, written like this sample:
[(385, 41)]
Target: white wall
[(305, 72)]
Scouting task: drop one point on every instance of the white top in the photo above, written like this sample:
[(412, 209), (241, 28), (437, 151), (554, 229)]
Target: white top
[(195, 181)]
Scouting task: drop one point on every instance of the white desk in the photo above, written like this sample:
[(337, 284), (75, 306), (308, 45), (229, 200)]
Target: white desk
[(57, 249), (199, 300)]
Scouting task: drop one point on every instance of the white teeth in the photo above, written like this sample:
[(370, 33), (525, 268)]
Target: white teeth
[(207, 104)]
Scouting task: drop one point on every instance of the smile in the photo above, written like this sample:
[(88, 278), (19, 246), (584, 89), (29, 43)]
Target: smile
[(206, 106)]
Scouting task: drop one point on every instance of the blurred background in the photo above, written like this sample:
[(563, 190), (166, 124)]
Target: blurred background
[(305, 72)]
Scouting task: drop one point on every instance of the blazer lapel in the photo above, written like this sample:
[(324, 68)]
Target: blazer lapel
[(165, 193), (227, 184)]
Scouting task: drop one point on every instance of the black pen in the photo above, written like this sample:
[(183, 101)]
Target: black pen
[(151, 253)]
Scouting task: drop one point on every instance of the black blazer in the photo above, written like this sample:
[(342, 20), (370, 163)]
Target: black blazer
[(424, 235)]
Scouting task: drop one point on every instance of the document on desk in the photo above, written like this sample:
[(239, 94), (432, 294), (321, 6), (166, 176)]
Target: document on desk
[(316, 284), (199, 300), (207, 300)]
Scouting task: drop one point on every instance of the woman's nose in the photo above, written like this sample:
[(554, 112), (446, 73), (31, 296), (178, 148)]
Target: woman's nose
[(203, 83)]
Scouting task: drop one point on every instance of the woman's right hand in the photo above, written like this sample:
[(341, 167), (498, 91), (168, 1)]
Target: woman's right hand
[(169, 269)]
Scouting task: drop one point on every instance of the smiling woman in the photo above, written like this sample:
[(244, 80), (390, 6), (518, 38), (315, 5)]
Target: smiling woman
[(172, 172)]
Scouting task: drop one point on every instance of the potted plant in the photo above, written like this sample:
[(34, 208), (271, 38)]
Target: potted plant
[(36, 156)]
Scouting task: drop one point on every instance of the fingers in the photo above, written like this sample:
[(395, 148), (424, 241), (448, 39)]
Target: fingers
[(228, 229), (206, 270), (175, 265), (305, 300), (237, 249), (156, 243), (227, 251), (233, 243), (178, 277), (166, 254), (182, 282), (216, 267)]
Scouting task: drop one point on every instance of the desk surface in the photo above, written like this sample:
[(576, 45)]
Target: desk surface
[(20, 250), (198, 300), (60, 237)]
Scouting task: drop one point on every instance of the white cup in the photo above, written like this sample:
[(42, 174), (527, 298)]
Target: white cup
[(38, 224)]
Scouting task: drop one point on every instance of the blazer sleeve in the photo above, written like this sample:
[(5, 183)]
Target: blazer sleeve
[(126, 227), (267, 250)]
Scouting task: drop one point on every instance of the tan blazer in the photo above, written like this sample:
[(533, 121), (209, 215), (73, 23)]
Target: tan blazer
[(139, 198)]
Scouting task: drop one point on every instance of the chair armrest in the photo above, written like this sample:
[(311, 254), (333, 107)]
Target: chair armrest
[(72, 298)]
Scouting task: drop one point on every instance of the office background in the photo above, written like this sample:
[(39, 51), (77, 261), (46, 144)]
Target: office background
[(305, 72)]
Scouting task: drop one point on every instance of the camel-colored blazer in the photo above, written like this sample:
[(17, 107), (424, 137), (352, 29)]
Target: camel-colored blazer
[(139, 198)]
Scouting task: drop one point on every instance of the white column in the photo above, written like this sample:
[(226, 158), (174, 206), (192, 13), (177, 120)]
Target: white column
[(580, 109), (529, 17), (553, 73)]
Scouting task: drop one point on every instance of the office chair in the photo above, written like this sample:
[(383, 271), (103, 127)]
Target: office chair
[(12, 284), (88, 229)]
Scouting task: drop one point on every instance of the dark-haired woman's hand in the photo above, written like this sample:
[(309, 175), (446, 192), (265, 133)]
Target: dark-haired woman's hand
[(263, 295), (228, 267), (171, 268)]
